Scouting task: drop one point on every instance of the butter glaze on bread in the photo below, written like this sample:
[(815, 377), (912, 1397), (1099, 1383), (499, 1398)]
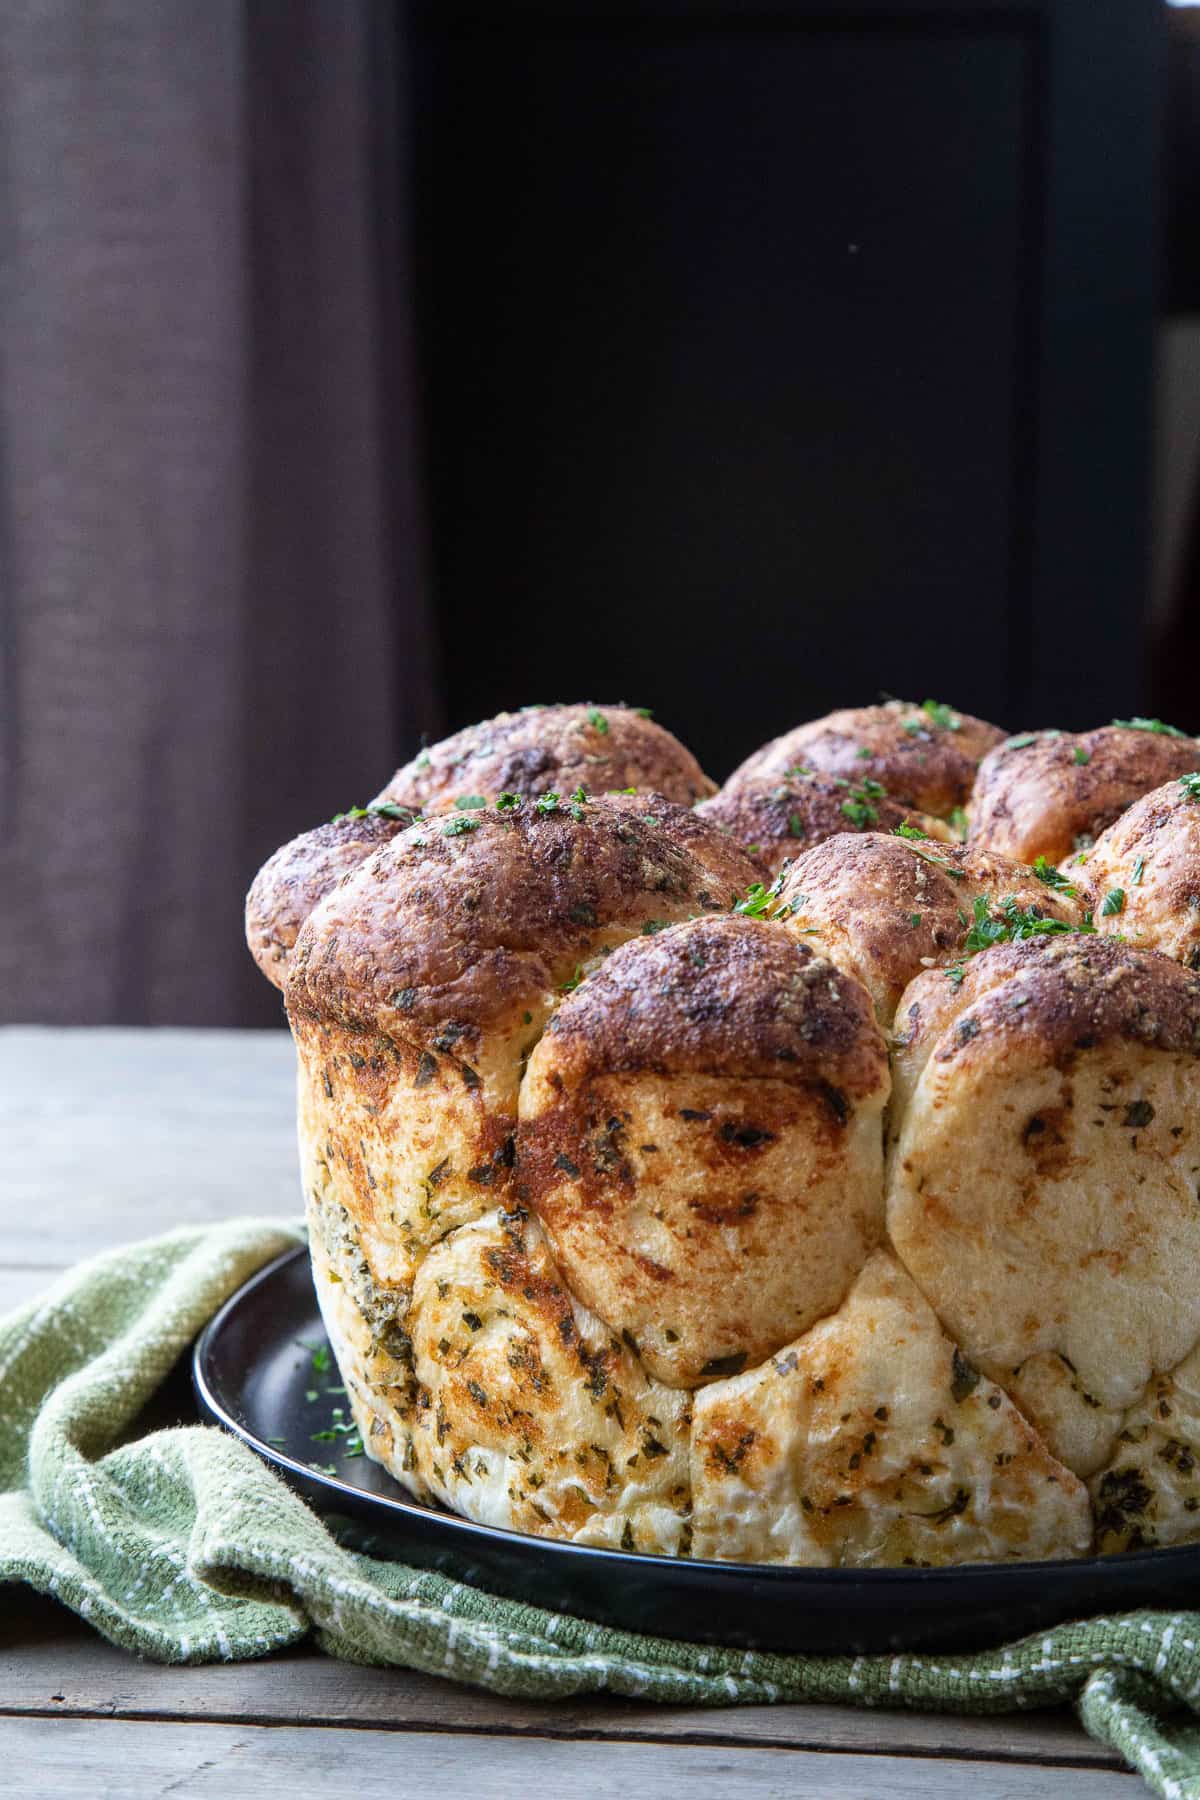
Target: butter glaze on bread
[(1051, 793), (776, 817), (600, 748), (920, 761), (700, 1138)]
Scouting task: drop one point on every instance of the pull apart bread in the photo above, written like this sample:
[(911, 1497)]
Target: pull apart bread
[(633, 1224)]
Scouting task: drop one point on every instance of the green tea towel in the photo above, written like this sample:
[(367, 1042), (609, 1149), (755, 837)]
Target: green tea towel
[(184, 1547)]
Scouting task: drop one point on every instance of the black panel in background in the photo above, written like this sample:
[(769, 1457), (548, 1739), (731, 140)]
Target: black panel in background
[(729, 345)]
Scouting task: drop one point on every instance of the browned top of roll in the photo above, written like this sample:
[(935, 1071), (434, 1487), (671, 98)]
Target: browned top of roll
[(776, 817), (887, 906), (600, 748), (468, 918), (925, 756), (291, 882), (730, 996), (733, 868), (1062, 994), (1148, 863), (1051, 793)]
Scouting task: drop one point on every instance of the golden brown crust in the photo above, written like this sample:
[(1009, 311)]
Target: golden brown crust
[(1051, 793), (870, 1441), (734, 997), (700, 1135), (731, 868), (299, 876), (925, 756), (886, 907), (777, 817), (1064, 995), (1147, 867), (459, 935), (600, 748)]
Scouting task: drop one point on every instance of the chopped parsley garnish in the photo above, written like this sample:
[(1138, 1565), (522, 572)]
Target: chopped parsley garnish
[(650, 819), (763, 902), (944, 717), (572, 982), (546, 803), (643, 712), (859, 808), (1113, 903), (958, 822), (1139, 869), (507, 802), (1191, 786), (469, 802), (597, 720), (379, 809), (423, 761), (1020, 742), (939, 862), (1010, 924), (1155, 725), (1053, 878), (322, 1361), (462, 822), (914, 918), (863, 754), (795, 825), (909, 830), (1082, 755)]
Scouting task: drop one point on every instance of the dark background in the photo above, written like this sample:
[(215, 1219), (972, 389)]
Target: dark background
[(775, 357)]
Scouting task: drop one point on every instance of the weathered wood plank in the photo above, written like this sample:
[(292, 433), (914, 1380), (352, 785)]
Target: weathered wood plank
[(111, 1135), (137, 1761), (19, 1285), (52, 1666)]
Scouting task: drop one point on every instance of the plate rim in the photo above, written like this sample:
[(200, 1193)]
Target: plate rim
[(402, 1504)]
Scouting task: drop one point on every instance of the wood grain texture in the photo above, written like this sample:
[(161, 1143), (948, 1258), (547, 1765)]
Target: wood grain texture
[(112, 1135), (19, 1285), (121, 1760), (51, 1666)]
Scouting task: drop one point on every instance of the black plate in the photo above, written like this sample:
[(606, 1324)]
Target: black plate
[(253, 1370)]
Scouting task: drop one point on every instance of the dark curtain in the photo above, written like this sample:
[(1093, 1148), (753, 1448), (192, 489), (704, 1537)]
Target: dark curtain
[(214, 626)]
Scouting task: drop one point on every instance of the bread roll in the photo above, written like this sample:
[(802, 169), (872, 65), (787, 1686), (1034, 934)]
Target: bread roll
[(1051, 793), (700, 1137), (299, 876), (884, 908), (416, 989), (871, 1441), (600, 748), (925, 756), (1143, 875), (534, 1414), (607, 1235), (1147, 1495), (1042, 1187), (774, 818)]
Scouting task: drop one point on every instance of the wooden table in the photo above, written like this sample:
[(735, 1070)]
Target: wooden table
[(113, 1135)]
